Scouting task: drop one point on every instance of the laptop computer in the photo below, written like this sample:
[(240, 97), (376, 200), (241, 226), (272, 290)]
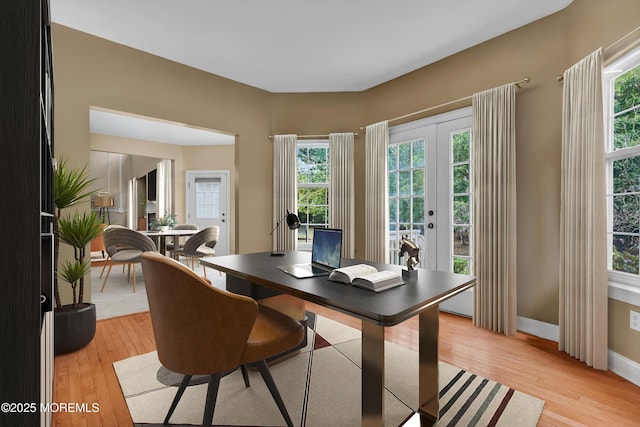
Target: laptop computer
[(325, 255)]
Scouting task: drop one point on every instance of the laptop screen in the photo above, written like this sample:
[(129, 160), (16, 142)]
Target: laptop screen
[(327, 247)]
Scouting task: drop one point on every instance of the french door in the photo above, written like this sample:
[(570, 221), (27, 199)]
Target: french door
[(208, 203), (430, 195)]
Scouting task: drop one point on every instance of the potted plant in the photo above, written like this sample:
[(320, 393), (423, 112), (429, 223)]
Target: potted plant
[(74, 323), (164, 222)]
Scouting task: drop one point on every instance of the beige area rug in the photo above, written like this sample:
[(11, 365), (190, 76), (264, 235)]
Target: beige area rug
[(321, 387), (118, 298)]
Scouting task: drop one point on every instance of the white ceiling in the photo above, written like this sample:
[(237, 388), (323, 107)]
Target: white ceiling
[(149, 129), (290, 45), (302, 45)]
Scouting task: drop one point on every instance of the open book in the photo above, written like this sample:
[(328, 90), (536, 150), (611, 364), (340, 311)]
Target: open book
[(366, 276)]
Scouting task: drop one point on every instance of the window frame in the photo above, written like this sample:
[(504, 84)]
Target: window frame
[(435, 130), (414, 226), (315, 143), (611, 73)]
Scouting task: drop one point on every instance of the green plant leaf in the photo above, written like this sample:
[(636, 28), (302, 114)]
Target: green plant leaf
[(70, 186), (79, 230), (73, 271), (169, 220)]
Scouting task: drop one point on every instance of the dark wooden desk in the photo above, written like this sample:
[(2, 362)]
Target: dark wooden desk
[(420, 296)]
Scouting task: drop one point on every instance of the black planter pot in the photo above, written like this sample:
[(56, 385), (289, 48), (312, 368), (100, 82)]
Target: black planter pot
[(73, 329)]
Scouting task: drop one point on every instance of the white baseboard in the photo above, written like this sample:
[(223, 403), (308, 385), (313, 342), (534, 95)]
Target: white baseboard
[(618, 364), (539, 329), (626, 368)]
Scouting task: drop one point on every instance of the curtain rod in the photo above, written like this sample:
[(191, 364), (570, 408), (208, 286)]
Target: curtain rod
[(314, 136), (617, 49), (455, 101)]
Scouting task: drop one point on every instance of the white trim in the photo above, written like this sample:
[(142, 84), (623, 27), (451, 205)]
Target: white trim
[(625, 293), (397, 133), (197, 172), (626, 368), (540, 329), (307, 144), (618, 364)]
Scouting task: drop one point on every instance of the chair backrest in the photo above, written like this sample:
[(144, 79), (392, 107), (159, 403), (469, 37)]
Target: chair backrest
[(111, 249), (198, 329), (208, 236), (185, 227), (124, 238)]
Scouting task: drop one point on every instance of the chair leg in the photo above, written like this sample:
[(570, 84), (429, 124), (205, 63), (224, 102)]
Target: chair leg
[(108, 261), (245, 375), (134, 278), (176, 399), (212, 395), (106, 278), (271, 385)]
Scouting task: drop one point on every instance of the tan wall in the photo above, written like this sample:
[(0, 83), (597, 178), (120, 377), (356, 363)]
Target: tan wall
[(542, 51), (91, 71), (627, 345)]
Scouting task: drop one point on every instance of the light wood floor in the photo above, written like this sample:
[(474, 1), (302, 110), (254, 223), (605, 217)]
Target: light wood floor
[(574, 394)]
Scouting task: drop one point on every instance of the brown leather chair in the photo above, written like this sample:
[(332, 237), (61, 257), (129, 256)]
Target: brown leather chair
[(201, 330)]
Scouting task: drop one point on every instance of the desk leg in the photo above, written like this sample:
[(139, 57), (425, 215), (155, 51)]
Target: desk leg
[(372, 375), (429, 405)]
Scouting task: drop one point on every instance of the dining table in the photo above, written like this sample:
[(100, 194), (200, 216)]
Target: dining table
[(160, 236)]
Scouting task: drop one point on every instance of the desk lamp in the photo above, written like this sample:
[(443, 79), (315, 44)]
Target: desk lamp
[(293, 222)]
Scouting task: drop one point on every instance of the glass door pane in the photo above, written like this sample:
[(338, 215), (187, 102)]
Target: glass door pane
[(406, 196)]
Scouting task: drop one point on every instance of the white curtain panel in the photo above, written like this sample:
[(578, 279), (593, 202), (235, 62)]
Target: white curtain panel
[(284, 189), (583, 239), (341, 189), (494, 165), (376, 218), (132, 206), (164, 183)]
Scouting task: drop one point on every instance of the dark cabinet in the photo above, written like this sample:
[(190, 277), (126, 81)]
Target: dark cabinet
[(26, 189)]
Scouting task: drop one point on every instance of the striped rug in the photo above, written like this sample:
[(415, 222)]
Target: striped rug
[(321, 387)]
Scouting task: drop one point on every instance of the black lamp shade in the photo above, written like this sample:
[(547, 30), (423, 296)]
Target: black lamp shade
[(293, 221)]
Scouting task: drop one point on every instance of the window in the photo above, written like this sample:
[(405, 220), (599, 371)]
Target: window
[(406, 194), (461, 202), (207, 197), (622, 88), (430, 190), (313, 189)]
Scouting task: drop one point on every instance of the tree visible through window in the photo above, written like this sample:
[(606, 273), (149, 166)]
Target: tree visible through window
[(313, 188), (623, 165), (406, 194), (461, 200), (430, 191)]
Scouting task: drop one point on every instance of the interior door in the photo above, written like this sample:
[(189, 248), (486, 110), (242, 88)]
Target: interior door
[(208, 203)]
